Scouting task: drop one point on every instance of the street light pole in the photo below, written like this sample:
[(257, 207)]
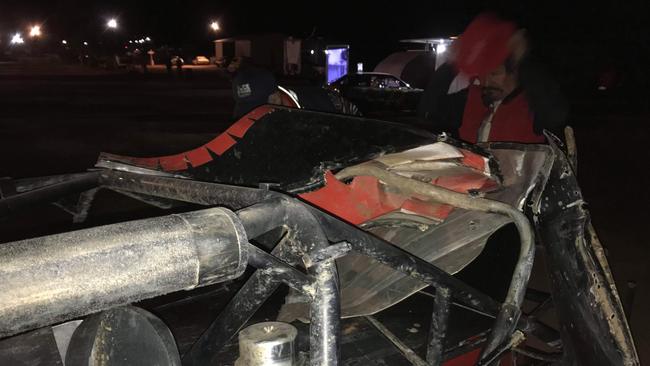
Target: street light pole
[(111, 45)]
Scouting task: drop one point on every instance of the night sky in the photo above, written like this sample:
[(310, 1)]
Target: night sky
[(568, 35), (177, 20)]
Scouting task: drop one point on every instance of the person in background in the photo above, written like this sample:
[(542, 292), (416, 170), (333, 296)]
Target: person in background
[(490, 89), (178, 60), (251, 86)]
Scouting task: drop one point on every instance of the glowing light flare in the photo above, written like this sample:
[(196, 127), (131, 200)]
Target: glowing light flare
[(35, 31), (214, 25), (112, 23), (17, 39)]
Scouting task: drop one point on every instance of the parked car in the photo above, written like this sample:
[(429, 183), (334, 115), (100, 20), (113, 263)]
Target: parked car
[(376, 80), (201, 60), (378, 94)]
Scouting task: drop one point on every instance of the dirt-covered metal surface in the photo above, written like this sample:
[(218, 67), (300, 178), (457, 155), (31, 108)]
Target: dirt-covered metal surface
[(593, 325), (54, 278)]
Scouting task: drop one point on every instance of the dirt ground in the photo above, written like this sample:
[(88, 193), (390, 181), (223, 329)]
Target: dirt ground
[(57, 120)]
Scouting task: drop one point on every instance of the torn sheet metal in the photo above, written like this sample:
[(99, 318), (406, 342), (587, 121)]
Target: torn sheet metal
[(450, 242)]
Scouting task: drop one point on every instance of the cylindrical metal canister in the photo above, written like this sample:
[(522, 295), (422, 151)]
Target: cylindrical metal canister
[(54, 278), (267, 344)]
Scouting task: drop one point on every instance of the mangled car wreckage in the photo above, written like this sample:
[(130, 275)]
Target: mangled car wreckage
[(360, 235)]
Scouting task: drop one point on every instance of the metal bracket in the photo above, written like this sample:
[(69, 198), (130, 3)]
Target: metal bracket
[(329, 253)]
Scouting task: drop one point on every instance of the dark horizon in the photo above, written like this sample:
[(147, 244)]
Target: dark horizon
[(178, 21), (569, 38)]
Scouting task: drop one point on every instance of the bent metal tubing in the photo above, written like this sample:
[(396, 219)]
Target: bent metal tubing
[(510, 309), (335, 230), (237, 198), (304, 237)]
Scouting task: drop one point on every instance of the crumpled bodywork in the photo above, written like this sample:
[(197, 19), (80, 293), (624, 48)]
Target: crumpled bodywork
[(517, 174), (446, 236), (305, 154)]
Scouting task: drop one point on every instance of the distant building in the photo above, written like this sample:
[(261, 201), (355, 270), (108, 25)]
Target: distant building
[(275, 52)]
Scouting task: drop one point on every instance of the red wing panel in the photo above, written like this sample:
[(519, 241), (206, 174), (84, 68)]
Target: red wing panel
[(239, 128), (473, 160), (466, 359), (221, 144), (198, 156), (363, 200), (173, 163), (258, 112)]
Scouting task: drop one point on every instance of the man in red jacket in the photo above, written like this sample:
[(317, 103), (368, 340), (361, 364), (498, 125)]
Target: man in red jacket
[(491, 90)]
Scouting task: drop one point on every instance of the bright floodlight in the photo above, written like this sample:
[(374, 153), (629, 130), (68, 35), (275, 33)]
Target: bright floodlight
[(17, 39), (112, 23), (64, 42), (35, 31), (441, 48), (147, 39), (214, 25), (85, 43)]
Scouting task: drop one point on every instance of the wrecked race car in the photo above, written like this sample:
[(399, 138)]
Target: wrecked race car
[(296, 237)]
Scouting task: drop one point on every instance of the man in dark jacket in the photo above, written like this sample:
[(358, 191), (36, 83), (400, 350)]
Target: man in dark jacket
[(251, 86), (491, 90)]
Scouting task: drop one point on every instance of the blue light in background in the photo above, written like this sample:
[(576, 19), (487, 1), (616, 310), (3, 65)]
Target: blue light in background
[(337, 63)]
